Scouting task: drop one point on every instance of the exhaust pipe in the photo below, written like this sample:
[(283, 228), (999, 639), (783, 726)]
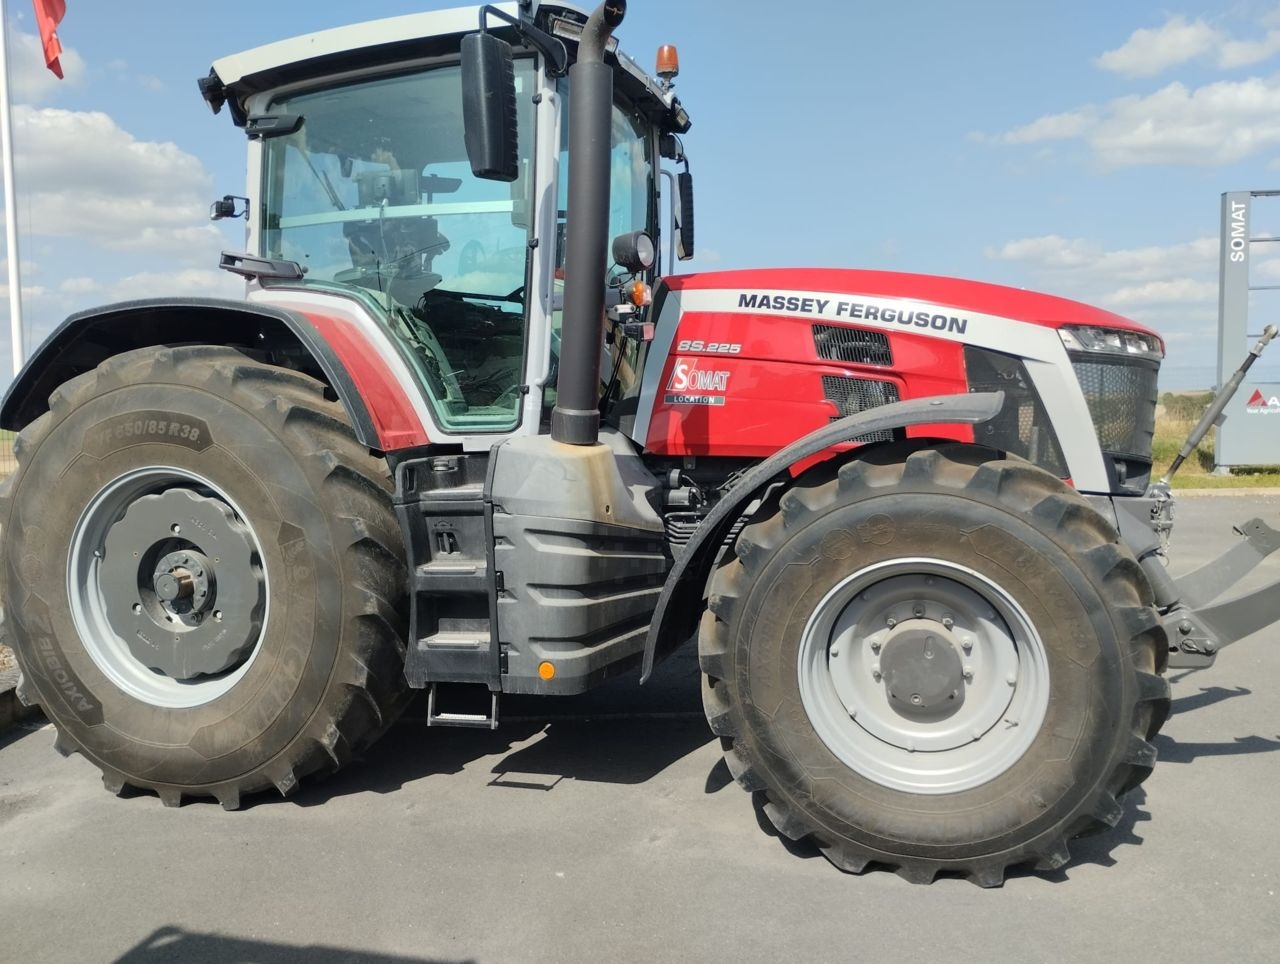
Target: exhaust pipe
[(576, 418)]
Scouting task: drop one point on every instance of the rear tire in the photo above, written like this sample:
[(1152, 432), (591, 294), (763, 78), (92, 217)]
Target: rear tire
[(257, 639), (964, 562)]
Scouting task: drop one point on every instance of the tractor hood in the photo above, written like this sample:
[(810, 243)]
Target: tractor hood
[(1019, 304)]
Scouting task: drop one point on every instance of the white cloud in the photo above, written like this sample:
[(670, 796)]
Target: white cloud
[(1175, 292), (1053, 127), (1242, 53), (1216, 124), (1082, 263), (1153, 49), (79, 286), (193, 282), (141, 196), (33, 82)]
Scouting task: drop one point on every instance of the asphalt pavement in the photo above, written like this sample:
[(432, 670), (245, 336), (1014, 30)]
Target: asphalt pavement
[(605, 828)]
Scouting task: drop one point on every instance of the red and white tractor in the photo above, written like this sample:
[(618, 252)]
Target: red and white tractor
[(469, 431)]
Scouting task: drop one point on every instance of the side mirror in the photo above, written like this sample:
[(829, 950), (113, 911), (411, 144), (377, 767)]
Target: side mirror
[(684, 219), (489, 107)]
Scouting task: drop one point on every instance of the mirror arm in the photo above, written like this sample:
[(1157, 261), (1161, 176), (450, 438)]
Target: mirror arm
[(550, 47)]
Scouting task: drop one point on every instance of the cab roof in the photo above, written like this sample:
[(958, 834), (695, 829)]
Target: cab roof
[(235, 78)]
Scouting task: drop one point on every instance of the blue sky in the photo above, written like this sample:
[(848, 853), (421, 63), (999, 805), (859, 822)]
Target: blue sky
[(1075, 148)]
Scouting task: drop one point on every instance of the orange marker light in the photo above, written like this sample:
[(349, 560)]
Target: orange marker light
[(547, 671), (668, 62), (640, 294)]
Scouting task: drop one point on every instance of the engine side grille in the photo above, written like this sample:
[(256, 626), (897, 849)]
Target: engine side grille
[(855, 345), (854, 395), (1121, 394), (1022, 426)]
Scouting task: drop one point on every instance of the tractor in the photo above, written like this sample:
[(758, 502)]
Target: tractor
[(470, 432)]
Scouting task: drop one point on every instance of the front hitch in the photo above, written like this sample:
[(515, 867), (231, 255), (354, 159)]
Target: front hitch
[(1203, 623)]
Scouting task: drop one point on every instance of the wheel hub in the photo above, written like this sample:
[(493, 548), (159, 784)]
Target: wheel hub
[(182, 584), (922, 669), (923, 675)]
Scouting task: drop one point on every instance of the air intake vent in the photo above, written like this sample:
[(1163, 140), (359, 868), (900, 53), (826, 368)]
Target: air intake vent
[(852, 345), (854, 395)]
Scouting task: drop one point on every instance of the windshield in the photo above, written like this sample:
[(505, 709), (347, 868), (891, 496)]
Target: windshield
[(373, 194)]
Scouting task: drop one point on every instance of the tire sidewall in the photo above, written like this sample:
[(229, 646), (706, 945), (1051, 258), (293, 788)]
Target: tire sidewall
[(1089, 697), (257, 465)]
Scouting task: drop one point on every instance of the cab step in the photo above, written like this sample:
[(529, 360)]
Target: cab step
[(475, 721)]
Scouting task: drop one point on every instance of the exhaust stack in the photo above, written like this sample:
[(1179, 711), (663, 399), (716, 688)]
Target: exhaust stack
[(576, 419)]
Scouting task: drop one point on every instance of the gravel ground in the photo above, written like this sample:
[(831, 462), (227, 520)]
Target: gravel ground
[(6, 659)]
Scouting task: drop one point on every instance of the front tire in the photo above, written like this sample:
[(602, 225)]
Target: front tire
[(203, 576), (934, 660)]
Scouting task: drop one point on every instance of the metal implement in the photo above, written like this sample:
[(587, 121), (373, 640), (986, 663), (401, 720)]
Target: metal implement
[(1204, 623), (1219, 404)]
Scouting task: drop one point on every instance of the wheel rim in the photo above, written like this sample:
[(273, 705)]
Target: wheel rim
[(167, 587), (923, 676)]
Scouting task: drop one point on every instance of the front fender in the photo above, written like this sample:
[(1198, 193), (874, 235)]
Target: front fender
[(88, 338), (680, 605)]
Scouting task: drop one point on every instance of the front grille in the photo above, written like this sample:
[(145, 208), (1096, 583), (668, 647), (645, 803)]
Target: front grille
[(1121, 394), (854, 395), (855, 345)]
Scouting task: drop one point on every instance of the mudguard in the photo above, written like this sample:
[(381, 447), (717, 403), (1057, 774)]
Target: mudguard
[(89, 337), (679, 607)]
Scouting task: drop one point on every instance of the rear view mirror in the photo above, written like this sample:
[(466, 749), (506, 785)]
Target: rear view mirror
[(489, 107), (684, 218)]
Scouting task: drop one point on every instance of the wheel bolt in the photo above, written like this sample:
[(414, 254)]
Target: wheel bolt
[(875, 645), (175, 528), (915, 699), (891, 622), (217, 614), (967, 646), (835, 651), (948, 622), (918, 610), (137, 608), (876, 674), (968, 674)]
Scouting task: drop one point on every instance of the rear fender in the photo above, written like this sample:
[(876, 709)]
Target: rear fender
[(680, 605), (88, 338)]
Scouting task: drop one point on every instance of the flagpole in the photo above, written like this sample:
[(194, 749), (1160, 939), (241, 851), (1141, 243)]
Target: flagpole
[(16, 349)]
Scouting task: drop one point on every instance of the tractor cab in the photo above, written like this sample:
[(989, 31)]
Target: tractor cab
[(359, 175)]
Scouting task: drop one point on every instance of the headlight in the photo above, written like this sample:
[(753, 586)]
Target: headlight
[(1111, 341)]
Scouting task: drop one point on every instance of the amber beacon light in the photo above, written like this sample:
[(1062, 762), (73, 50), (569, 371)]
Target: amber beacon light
[(668, 62)]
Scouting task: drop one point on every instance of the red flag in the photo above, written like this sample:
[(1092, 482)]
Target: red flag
[(49, 14)]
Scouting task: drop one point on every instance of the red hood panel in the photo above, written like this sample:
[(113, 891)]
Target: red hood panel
[(1030, 306)]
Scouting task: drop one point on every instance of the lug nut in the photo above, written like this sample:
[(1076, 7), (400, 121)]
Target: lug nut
[(217, 614), (968, 674), (137, 608), (891, 622), (918, 610), (948, 622), (967, 646), (876, 674), (835, 651), (916, 699), (875, 645)]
